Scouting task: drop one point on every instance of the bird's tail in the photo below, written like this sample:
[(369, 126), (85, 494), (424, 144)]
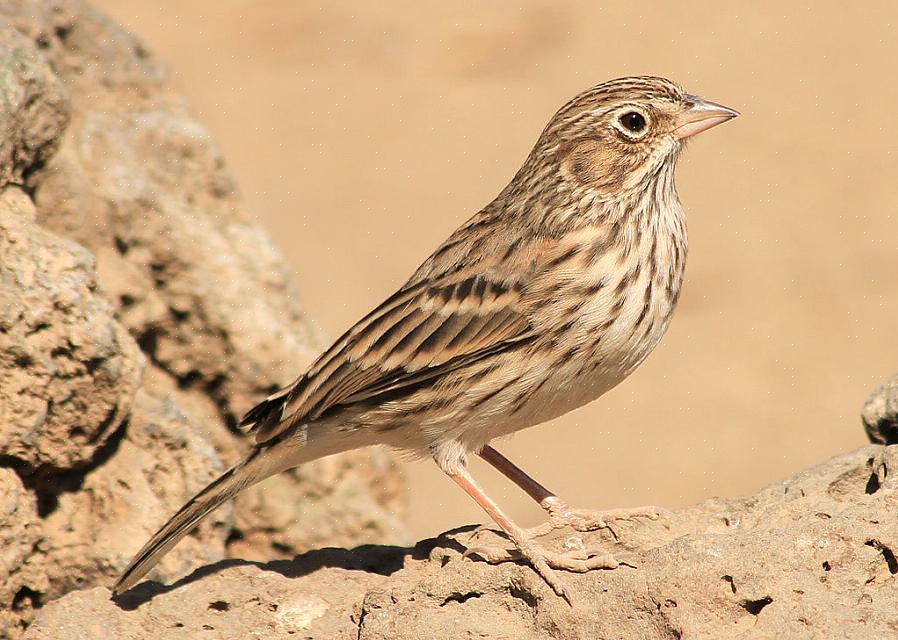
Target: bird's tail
[(253, 469)]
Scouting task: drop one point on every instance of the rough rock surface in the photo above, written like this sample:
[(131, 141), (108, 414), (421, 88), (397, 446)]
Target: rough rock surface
[(141, 312), (880, 414), (68, 370), (810, 557), (33, 112)]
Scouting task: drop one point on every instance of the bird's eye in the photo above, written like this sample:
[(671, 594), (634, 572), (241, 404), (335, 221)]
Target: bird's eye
[(633, 121)]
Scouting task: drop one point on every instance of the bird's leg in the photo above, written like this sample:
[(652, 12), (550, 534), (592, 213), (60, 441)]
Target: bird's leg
[(541, 559), (560, 513)]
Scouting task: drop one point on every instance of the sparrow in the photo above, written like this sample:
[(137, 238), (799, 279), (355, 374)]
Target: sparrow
[(544, 300)]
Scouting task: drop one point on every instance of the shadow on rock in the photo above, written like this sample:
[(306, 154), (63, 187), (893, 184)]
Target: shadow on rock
[(370, 558)]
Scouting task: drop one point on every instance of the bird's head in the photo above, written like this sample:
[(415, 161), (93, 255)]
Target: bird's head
[(617, 136)]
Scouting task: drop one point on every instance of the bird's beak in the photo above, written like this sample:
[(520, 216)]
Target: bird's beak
[(701, 115)]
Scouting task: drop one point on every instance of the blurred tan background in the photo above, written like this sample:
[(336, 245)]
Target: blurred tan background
[(363, 133)]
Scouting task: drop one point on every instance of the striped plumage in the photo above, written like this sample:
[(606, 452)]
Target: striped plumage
[(544, 300)]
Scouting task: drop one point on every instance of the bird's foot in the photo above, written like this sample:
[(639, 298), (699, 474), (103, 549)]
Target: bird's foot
[(561, 515), (545, 562), (583, 520)]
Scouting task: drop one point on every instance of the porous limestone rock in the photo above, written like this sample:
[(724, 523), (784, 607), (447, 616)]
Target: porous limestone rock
[(880, 413), (810, 557), (141, 313)]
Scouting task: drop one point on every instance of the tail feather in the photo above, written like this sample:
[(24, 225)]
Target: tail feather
[(228, 485)]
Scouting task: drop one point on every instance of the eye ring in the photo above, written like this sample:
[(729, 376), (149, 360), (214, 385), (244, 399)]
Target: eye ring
[(633, 122)]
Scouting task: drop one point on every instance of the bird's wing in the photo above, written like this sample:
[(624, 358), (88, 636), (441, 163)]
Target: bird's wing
[(420, 333)]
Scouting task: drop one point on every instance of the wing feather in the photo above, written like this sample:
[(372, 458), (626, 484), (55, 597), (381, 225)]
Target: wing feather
[(414, 337)]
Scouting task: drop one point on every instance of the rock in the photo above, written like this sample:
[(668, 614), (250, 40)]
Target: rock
[(810, 557), (91, 532), (139, 181), (328, 505), (68, 370), (19, 533), (141, 313), (33, 113), (880, 413)]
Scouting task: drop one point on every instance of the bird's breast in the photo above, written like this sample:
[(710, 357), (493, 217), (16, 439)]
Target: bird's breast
[(612, 310)]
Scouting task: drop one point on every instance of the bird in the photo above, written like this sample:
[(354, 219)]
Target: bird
[(541, 302)]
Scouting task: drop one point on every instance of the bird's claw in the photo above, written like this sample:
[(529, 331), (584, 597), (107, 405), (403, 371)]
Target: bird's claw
[(545, 562), (583, 520), (493, 555), (481, 529)]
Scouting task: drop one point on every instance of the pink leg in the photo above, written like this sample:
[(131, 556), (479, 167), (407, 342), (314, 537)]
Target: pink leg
[(560, 514), (542, 560), (517, 475)]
